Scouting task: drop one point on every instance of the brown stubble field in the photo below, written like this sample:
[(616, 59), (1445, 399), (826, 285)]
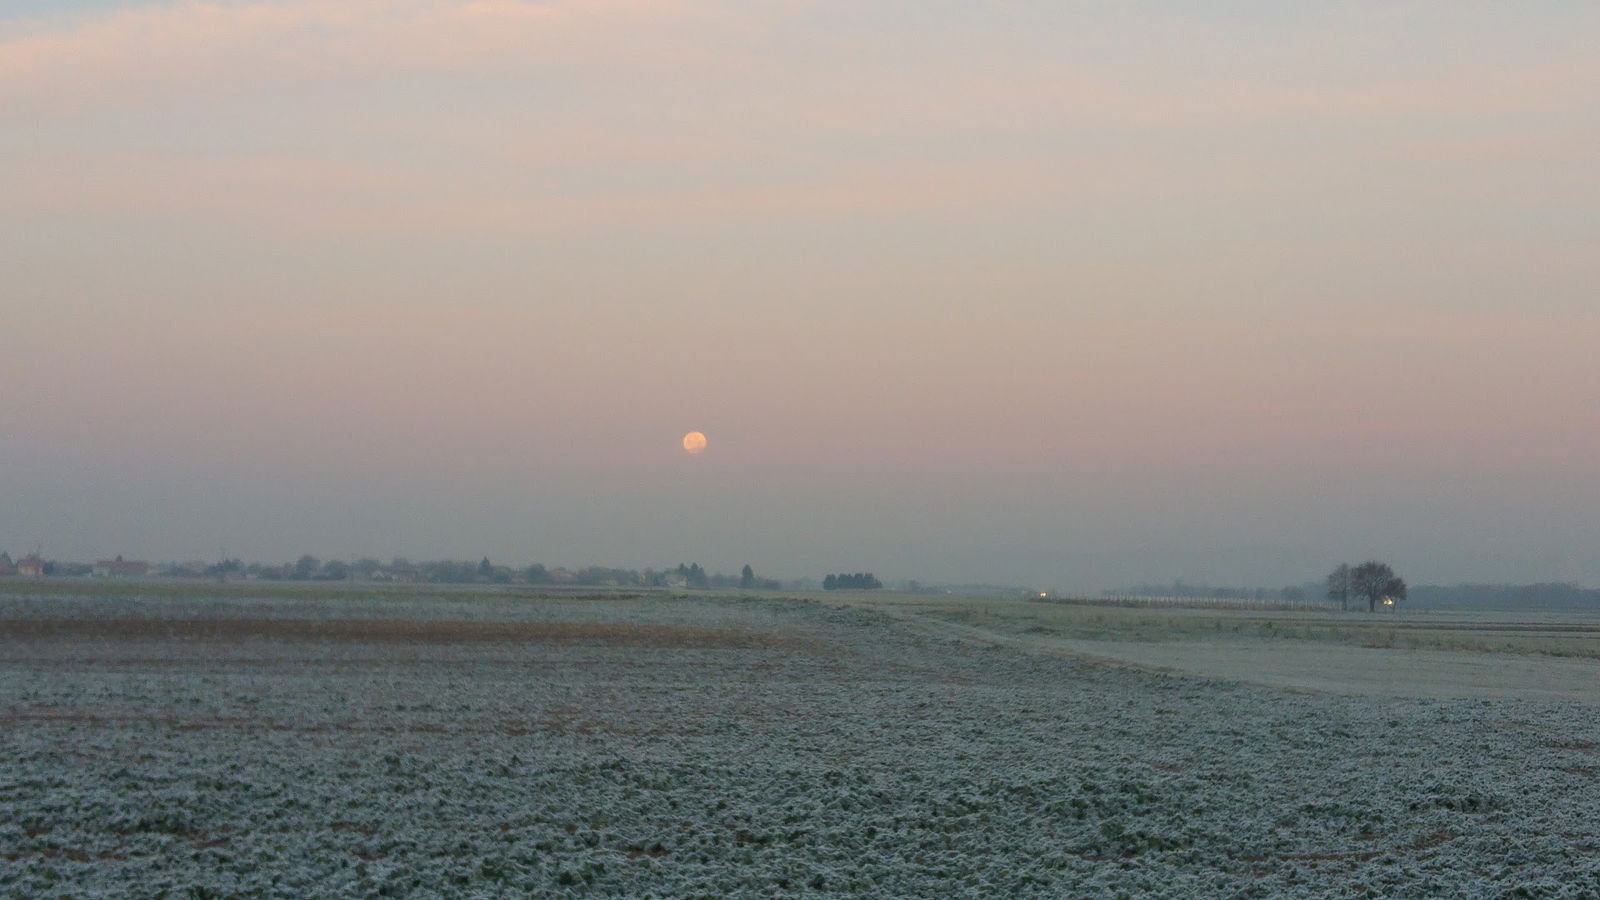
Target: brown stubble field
[(382, 631)]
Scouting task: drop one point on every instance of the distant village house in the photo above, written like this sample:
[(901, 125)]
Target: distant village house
[(121, 568)]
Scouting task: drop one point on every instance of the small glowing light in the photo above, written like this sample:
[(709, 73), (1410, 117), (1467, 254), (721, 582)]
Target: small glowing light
[(694, 442), (1043, 594), (1388, 601)]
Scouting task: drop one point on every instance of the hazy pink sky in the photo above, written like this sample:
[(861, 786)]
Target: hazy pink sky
[(1071, 295)]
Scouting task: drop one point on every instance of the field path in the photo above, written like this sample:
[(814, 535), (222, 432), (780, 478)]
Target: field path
[(1300, 664)]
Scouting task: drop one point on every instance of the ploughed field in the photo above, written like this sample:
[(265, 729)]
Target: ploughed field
[(264, 743)]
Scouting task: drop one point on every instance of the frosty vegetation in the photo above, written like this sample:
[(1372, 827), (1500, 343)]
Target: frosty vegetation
[(406, 744)]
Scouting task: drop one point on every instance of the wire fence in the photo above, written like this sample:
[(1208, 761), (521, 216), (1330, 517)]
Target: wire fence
[(1149, 601)]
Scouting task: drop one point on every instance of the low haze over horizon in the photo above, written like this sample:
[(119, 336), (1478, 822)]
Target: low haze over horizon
[(1071, 295)]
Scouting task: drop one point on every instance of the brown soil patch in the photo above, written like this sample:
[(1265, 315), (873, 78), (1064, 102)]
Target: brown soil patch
[(559, 720), (67, 854), (395, 631), (1430, 841)]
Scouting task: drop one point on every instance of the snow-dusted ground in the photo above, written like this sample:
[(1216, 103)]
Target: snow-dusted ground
[(1303, 664), (710, 747)]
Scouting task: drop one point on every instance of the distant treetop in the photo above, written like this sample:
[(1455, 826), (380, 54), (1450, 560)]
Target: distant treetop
[(860, 581)]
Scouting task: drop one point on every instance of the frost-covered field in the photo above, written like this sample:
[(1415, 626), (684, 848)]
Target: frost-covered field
[(481, 745), (1482, 654)]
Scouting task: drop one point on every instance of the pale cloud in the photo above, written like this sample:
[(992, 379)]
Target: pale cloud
[(310, 195), (830, 81), (1555, 143), (163, 53), (286, 191)]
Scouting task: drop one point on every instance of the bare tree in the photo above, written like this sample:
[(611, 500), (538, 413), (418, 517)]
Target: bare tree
[(1339, 586), (1376, 581)]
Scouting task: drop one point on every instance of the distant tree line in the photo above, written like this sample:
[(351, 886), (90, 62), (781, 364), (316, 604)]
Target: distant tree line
[(860, 581), (1341, 591), (445, 571), (1180, 588), (694, 576), (1546, 595)]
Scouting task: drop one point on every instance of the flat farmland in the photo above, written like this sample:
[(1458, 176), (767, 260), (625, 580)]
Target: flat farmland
[(1432, 653), (222, 741)]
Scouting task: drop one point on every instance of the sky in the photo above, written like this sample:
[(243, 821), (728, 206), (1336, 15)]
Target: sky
[(1060, 294)]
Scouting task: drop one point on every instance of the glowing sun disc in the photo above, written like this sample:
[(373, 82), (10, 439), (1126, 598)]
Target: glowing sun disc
[(694, 442)]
